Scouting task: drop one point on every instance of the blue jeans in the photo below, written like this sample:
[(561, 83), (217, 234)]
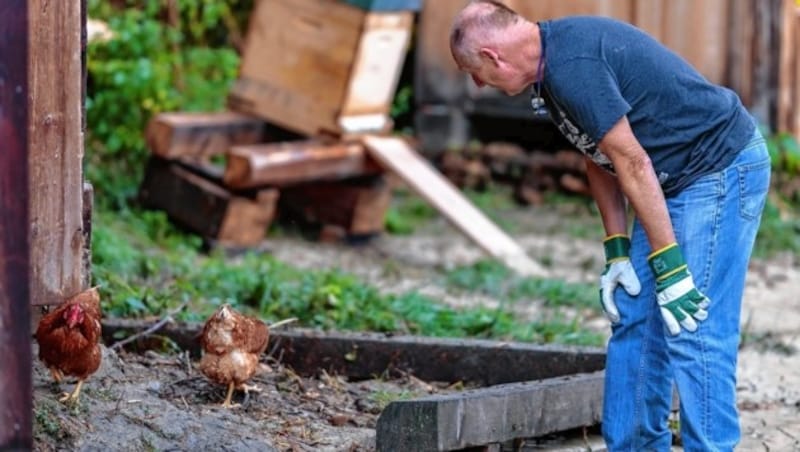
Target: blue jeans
[(715, 221)]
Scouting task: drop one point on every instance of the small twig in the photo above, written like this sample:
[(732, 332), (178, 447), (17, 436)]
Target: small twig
[(155, 327), (283, 322)]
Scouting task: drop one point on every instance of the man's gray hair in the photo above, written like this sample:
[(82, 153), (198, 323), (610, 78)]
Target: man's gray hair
[(476, 24)]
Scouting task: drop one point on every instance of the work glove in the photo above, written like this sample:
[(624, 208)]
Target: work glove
[(678, 298), (618, 271)]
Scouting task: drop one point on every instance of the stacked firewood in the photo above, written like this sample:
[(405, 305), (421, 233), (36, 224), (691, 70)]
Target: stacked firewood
[(531, 173), (224, 176), (289, 146)]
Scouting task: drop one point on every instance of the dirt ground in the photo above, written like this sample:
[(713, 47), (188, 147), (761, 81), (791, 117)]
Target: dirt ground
[(159, 402)]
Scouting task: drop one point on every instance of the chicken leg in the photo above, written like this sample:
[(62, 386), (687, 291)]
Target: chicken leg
[(227, 403), (57, 375), (72, 398)]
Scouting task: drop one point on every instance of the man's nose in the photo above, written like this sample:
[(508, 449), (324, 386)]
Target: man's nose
[(478, 82)]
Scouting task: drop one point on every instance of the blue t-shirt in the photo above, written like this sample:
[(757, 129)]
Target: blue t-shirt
[(597, 70)]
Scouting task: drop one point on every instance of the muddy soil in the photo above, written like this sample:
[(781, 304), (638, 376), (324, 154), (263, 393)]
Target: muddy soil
[(160, 402)]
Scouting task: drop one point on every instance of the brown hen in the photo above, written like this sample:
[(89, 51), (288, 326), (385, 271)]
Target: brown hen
[(69, 340), (232, 343)]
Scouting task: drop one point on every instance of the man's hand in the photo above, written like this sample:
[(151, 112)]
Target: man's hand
[(619, 271), (680, 301)]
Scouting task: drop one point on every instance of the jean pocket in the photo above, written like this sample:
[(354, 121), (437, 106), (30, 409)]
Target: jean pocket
[(753, 188)]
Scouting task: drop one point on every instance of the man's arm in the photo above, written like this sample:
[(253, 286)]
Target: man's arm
[(637, 180), (609, 199)]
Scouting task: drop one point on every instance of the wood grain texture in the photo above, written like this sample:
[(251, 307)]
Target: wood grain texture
[(200, 135), (15, 372), (56, 150), (300, 57), (206, 208), (287, 163), (787, 65), (357, 205)]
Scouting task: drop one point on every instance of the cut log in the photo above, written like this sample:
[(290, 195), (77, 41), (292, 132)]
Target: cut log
[(201, 135), (397, 156), (205, 207), (464, 172), (358, 206), (506, 161), (282, 164)]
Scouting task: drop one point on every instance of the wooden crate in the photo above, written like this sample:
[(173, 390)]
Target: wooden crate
[(316, 66)]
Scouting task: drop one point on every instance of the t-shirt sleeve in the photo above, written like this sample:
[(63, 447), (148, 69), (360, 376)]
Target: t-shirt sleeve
[(589, 91)]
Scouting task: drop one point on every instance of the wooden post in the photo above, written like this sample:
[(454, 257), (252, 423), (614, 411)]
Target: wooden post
[(15, 345), (56, 151)]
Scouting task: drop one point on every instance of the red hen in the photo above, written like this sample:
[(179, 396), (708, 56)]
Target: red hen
[(69, 340)]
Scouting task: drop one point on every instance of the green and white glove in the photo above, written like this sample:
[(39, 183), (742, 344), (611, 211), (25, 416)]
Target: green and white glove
[(618, 271), (680, 301)]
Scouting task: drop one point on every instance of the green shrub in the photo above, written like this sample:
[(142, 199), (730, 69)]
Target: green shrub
[(147, 67)]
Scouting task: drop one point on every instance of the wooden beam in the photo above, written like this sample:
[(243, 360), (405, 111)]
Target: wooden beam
[(201, 135), (287, 163), (364, 355), (56, 150), (491, 415), (398, 156), (357, 205), (16, 395), (206, 208)]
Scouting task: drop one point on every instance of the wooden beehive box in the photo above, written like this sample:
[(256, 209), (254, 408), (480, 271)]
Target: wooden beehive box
[(321, 66)]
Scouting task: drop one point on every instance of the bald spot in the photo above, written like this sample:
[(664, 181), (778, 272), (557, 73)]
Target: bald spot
[(477, 25)]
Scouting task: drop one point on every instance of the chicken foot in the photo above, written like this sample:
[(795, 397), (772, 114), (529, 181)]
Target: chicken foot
[(242, 387), (248, 388), (72, 398)]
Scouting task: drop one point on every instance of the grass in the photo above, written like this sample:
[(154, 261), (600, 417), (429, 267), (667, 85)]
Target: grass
[(145, 267), (779, 231)]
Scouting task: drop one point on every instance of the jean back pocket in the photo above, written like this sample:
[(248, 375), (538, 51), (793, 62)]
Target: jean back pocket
[(753, 188)]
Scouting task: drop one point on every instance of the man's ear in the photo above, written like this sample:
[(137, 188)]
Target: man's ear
[(490, 55)]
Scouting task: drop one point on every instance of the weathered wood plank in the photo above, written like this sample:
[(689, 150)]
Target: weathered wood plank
[(332, 48), (788, 54), (364, 355), (201, 135), (15, 372), (491, 415), (741, 30), (357, 205), (56, 150), (398, 156), (88, 208), (287, 163), (205, 207), (795, 120)]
